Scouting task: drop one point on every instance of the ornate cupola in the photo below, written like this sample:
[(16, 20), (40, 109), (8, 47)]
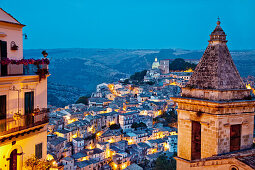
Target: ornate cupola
[(218, 35), (216, 73)]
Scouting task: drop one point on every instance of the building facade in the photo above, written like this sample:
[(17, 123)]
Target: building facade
[(23, 99), (164, 66)]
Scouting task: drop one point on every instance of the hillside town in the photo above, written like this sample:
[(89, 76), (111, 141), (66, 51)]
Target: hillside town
[(122, 125), (131, 124)]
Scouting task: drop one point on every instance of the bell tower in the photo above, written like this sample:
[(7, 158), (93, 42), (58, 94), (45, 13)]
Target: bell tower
[(215, 110)]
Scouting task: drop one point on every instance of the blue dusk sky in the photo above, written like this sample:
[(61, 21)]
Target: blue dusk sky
[(132, 24)]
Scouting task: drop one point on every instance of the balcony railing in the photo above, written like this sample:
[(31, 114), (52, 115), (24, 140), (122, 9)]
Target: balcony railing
[(13, 67), (12, 125), (16, 70)]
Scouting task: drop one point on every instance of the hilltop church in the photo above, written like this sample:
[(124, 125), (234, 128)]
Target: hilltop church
[(215, 114)]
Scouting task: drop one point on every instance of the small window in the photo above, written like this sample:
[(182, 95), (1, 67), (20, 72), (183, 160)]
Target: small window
[(38, 150)]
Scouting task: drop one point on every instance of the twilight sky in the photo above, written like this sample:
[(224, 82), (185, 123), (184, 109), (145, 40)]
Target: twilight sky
[(132, 23)]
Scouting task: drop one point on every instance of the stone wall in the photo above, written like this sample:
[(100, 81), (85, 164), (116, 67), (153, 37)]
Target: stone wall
[(216, 95), (222, 164), (215, 125)]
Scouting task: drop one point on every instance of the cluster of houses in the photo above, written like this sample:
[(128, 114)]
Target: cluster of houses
[(160, 73), (114, 130)]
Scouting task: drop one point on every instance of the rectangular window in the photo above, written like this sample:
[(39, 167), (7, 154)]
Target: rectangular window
[(3, 107), (29, 102), (3, 55), (2, 113), (38, 150), (235, 137), (196, 140)]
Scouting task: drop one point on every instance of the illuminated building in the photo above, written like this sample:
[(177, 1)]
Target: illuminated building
[(23, 97), (215, 113), (155, 64)]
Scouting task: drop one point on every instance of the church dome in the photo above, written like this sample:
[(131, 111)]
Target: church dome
[(155, 64)]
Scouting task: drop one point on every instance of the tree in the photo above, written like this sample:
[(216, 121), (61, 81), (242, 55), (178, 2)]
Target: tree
[(138, 76), (142, 125), (126, 81), (163, 162), (180, 64), (83, 99), (135, 125), (114, 126), (150, 82), (138, 125), (37, 164)]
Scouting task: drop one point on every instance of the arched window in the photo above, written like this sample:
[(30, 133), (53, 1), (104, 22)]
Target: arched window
[(233, 167), (13, 160)]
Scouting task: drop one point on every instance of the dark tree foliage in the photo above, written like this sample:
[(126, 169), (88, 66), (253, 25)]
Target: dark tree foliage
[(83, 99), (126, 81), (91, 137), (143, 125), (170, 117), (138, 125), (134, 125), (114, 126), (150, 82), (163, 163), (180, 64), (138, 76)]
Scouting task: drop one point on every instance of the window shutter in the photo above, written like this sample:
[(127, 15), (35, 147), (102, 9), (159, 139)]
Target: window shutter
[(38, 150)]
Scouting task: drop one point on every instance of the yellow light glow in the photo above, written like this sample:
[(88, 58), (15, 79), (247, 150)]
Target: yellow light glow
[(84, 158), (189, 70), (74, 136), (115, 166), (112, 122), (107, 153), (49, 157), (173, 133), (98, 134), (166, 146), (123, 166), (69, 121), (130, 141), (111, 140), (112, 90), (91, 146), (248, 86), (154, 150), (54, 163), (124, 107), (173, 84), (91, 129)]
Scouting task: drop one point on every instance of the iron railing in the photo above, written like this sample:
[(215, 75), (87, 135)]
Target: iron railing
[(11, 125)]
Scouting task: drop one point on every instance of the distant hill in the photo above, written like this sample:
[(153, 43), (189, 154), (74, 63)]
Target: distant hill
[(75, 72)]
